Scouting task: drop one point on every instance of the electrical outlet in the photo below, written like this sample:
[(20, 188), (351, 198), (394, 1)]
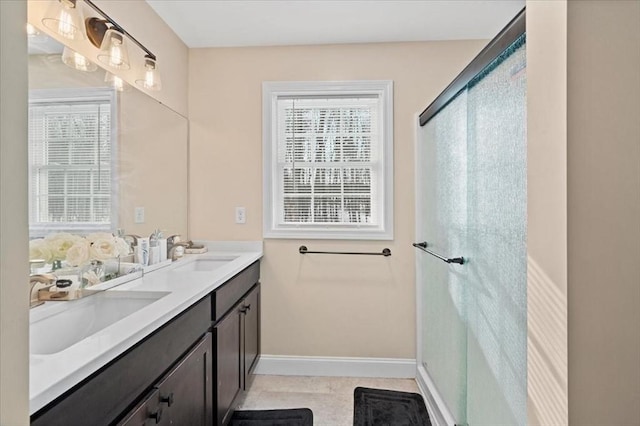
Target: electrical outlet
[(241, 215), (138, 215)]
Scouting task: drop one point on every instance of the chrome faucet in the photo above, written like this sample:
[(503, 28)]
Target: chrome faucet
[(38, 282), (132, 240), (177, 249)]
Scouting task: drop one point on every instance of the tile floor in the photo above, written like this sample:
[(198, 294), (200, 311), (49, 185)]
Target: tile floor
[(330, 398)]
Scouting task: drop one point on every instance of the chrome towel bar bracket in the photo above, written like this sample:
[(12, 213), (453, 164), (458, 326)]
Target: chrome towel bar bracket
[(423, 246), (385, 252)]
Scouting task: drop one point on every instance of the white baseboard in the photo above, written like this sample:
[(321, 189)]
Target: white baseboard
[(283, 365)]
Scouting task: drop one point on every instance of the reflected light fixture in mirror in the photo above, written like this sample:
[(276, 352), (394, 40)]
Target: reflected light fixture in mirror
[(76, 61), (113, 50), (31, 30), (116, 82), (151, 79), (65, 19)]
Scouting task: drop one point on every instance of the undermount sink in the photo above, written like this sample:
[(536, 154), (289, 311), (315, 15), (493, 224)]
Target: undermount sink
[(82, 318), (206, 264)]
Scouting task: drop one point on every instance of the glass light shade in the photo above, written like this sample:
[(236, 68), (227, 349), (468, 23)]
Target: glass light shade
[(64, 18), (113, 51), (151, 79), (77, 61), (116, 82)]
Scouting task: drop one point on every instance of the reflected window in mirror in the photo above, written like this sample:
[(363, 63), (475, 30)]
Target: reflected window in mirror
[(72, 161)]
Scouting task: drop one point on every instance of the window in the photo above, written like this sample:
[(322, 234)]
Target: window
[(328, 157), (71, 161)]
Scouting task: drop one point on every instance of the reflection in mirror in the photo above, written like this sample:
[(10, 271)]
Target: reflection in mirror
[(97, 155)]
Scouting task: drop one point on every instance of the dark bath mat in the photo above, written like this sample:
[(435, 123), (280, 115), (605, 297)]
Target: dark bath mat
[(388, 408), (291, 417)]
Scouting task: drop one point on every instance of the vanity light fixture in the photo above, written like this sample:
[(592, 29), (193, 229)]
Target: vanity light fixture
[(105, 34), (73, 59), (63, 17), (151, 79)]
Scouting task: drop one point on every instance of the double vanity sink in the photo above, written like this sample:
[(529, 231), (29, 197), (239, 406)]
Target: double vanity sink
[(71, 340)]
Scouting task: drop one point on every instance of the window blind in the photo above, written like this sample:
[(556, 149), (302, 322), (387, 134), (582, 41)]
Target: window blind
[(70, 152), (328, 158)]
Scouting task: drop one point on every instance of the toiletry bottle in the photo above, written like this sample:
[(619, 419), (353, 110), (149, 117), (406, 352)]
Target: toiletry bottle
[(154, 249), (142, 251)]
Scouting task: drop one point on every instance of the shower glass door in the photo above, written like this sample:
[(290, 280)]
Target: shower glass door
[(497, 248), (443, 198), (471, 180)]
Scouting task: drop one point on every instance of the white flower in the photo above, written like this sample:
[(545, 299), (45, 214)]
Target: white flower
[(39, 249), (78, 253), (99, 236), (104, 248), (60, 243)]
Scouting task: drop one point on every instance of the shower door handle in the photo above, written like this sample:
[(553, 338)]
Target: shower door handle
[(423, 246)]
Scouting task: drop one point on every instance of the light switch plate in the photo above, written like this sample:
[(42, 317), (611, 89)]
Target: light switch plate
[(241, 215), (138, 215)]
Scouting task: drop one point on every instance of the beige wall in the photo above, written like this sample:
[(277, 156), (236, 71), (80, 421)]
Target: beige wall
[(604, 212), (314, 305), (584, 208), (14, 352), (547, 212), (139, 19)]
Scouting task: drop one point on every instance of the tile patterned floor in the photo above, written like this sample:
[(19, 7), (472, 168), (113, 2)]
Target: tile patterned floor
[(330, 398)]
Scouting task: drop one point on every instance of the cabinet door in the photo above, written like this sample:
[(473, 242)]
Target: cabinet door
[(185, 393), (251, 337), (148, 413), (227, 337)]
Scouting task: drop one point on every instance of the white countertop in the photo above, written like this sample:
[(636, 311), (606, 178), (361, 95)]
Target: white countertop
[(51, 375)]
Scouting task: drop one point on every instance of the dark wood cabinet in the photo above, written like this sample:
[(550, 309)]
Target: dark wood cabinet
[(183, 396), (237, 347)]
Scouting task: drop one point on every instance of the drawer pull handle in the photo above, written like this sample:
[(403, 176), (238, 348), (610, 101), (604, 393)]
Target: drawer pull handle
[(168, 399), (157, 416)]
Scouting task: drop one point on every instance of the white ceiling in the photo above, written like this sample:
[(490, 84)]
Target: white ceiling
[(220, 23)]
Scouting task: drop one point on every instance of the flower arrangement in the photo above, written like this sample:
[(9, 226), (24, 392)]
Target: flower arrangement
[(76, 250)]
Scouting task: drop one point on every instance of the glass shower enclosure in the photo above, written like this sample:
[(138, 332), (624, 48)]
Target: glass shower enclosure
[(471, 203)]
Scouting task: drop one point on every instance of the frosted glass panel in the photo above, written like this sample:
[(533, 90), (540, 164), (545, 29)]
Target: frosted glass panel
[(442, 203), (496, 292)]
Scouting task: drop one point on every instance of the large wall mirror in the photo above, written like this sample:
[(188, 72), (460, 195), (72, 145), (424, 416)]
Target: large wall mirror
[(100, 159)]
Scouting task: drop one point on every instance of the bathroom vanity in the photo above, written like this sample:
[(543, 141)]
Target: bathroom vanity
[(183, 359)]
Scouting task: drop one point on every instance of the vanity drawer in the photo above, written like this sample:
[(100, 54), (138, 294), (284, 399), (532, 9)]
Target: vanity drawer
[(227, 295)]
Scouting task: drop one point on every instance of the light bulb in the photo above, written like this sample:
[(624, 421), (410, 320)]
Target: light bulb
[(65, 25), (151, 77), (116, 53)]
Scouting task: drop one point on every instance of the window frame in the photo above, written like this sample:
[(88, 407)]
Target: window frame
[(272, 91), (89, 94)]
